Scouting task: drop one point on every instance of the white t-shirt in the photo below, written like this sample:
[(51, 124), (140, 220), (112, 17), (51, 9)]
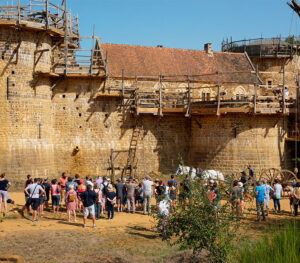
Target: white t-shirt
[(277, 191), (163, 207), (147, 186), (88, 182), (34, 190)]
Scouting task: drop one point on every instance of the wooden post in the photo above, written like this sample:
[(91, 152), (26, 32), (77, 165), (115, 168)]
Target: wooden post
[(112, 165), (160, 95), (123, 83), (255, 97), (218, 107), (7, 88), (66, 38), (92, 53), (188, 112), (19, 12), (283, 90), (47, 15)]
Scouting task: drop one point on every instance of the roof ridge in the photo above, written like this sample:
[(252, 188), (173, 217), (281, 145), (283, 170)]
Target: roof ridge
[(186, 49)]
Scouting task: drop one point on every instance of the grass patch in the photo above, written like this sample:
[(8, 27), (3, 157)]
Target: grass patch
[(281, 244)]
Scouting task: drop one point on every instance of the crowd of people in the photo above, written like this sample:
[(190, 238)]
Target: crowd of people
[(93, 197), (264, 192)]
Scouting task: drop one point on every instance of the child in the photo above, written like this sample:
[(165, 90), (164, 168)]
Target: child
[(110, 202), (71, 198)]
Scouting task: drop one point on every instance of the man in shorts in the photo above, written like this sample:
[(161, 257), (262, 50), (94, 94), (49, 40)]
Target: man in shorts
[(34, 191), (236, 196), (268, 190), (89, 197)]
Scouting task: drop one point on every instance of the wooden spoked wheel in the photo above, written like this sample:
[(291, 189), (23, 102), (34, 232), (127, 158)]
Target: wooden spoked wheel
[(270, 175), (287, 179)]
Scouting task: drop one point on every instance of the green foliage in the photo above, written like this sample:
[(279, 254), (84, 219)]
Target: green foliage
[(283, 245), (196, 225)]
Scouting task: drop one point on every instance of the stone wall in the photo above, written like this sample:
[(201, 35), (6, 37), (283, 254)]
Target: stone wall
[(229, 143), (98, 124), (25, 104)]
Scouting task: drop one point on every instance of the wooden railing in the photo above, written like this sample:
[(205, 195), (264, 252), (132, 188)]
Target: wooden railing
[(197, 98), (264, 47), (40, 11)]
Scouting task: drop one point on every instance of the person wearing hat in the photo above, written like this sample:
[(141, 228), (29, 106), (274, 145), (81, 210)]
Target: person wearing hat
[(110, 202), (245, 180), (236, 196), (130, 187), (210, 185)]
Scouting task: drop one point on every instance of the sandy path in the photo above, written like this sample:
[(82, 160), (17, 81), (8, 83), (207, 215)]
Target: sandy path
[(16, 222)]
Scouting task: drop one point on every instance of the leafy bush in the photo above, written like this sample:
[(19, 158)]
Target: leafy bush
[(281, 246), (196, 225)]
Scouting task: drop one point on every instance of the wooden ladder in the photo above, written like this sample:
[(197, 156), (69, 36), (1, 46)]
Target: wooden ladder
[(131, 164)]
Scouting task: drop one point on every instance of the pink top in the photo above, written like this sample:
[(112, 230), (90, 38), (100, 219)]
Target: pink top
[(54, 189), (99, 192)]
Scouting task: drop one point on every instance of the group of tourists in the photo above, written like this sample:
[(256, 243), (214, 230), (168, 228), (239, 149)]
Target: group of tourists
[(264, 192), (93, 197)]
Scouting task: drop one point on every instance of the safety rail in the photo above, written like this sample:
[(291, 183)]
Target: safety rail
[(197, 98), (40, 11), (264, 47)]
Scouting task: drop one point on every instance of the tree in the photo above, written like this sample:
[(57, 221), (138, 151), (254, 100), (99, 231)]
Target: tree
[(197, 224)]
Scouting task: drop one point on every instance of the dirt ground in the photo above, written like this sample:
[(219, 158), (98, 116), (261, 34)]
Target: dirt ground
[(127, 238)]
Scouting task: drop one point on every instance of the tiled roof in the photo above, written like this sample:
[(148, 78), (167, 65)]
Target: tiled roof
[(152, 61)]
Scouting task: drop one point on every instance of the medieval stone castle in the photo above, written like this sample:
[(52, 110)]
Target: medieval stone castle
[(123, 109)]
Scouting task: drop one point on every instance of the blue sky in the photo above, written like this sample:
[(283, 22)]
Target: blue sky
[(184, 23)]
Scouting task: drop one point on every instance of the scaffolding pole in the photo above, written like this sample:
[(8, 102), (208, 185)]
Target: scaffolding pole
[(160, 95), (283, 90), (218, 107), (66, 38), (47, 15), (92, 52), (123, 84)]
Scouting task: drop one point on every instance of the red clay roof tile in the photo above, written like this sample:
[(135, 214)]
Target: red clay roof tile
[(152, 61)]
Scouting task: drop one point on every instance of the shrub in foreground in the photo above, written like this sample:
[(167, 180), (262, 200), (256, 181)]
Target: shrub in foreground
[(197, 225)]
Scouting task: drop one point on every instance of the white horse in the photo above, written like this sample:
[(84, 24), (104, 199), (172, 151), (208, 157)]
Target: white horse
[(205, 175)]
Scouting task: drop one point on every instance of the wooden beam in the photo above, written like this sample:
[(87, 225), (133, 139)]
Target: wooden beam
[(218, 90)]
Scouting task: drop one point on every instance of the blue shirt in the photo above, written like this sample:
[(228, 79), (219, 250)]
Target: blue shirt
[(267, 190), (260, 193), (172, 181)]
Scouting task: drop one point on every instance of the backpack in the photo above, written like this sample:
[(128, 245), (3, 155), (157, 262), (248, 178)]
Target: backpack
[(71, 197), (105, 189)]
